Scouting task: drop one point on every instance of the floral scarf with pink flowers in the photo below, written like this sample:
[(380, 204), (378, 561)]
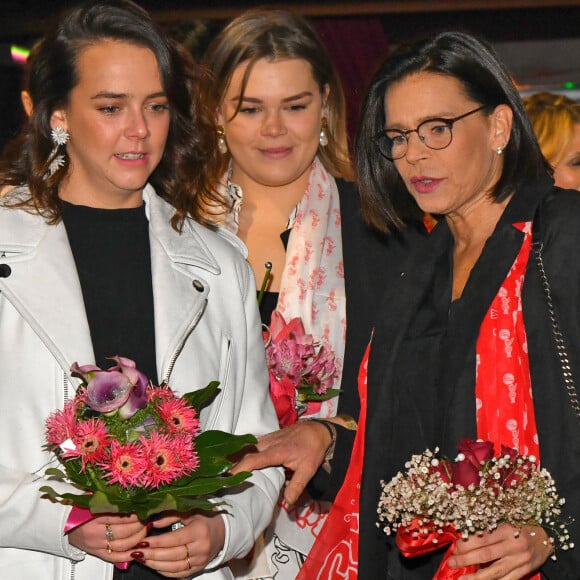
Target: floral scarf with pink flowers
[(312, 285)]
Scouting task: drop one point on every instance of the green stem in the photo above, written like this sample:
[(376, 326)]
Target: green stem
[(265, 281)]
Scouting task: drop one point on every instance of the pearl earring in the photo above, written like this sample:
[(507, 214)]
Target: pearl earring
[(222, 145), (499, 150), (323, 138)]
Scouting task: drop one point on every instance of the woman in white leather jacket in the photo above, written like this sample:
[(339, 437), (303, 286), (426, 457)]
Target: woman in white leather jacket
[(100, 250)]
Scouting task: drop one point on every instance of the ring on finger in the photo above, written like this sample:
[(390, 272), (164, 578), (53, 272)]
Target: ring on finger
[(108, 537), (109, 533), (187, 556)]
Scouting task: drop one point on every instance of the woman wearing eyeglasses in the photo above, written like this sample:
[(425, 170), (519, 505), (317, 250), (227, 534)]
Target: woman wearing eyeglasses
[(464, 345)]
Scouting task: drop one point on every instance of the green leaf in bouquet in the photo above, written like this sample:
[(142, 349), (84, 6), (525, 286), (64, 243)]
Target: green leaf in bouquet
[(202, 397), (214, 447), (100, 502), (200, 487), (308, 394), (194, 495), (184, 504), (55, 473), (81, 500), (50, 493), (169, 503)]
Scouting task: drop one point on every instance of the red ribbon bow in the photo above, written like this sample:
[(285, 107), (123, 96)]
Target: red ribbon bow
[(418, 539)]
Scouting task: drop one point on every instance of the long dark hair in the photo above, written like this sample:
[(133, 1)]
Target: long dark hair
[(189, 168), (485, 79)]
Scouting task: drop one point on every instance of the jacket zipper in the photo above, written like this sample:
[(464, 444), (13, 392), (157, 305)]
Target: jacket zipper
[(66, 395), (180, 346)]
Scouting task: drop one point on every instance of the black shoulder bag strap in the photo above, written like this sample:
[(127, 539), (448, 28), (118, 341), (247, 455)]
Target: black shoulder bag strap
[(537, 247)]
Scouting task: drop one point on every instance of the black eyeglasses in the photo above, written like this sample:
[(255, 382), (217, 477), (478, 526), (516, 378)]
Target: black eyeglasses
[(434, 133)]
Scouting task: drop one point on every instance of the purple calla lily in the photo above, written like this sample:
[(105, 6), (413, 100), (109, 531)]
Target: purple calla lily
[(108, 390), (138, 395), (120, 388), (84, 372)]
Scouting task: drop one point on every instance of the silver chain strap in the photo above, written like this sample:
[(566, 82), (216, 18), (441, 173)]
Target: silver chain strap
[(558, 337)]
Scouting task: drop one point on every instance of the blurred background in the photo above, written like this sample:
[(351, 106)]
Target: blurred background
[(539, 39)]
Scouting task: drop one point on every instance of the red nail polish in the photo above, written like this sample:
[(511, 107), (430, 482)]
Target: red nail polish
[(149, 527), (137, 555), (142, 545)]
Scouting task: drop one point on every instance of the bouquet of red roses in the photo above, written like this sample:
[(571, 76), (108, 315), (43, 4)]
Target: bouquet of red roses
[(436, 501), (301, 369), (132, 447)]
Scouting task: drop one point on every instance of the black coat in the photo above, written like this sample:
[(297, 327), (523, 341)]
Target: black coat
[(401, 423), (372, 260)]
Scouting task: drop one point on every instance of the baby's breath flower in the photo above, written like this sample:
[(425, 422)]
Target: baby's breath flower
[(512, 490)]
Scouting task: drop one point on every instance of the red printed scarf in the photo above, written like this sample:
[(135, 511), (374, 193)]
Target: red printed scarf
[(503, 389), (334, 554), (505, 408)]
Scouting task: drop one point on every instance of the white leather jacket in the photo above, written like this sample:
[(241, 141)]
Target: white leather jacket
[(206, 328)]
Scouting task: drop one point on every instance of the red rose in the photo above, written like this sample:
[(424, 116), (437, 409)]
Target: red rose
[(476, 452), (510, 452), (515, 474), (445, 470), (465, 473)]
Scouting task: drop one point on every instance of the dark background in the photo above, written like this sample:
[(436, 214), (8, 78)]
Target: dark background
[(539, 39)]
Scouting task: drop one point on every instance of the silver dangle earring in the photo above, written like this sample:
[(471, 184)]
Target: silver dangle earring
[(222, 145), (323, 138), (59, 137)]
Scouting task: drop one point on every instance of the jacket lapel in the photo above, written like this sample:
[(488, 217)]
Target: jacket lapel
[(180, 289), (44, 286), (400, 303)]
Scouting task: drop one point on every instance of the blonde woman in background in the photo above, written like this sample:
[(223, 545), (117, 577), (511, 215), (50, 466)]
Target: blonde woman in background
[(556, 122)]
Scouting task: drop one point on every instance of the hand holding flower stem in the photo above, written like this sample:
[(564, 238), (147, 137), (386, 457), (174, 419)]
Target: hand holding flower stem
[(495, 511)]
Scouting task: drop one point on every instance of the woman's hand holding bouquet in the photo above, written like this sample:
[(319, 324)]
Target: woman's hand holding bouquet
[(478, 498)]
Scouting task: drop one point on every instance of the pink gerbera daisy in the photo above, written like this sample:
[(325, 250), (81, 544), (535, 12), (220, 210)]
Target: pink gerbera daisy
[(90, 439), (61, 425), (179, 416), (168, 457), (125, 464), (159, 393)]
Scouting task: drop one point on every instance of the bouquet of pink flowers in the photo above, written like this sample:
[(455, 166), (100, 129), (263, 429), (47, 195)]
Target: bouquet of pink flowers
[(302, 370), (133, 447), (436, 501)]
